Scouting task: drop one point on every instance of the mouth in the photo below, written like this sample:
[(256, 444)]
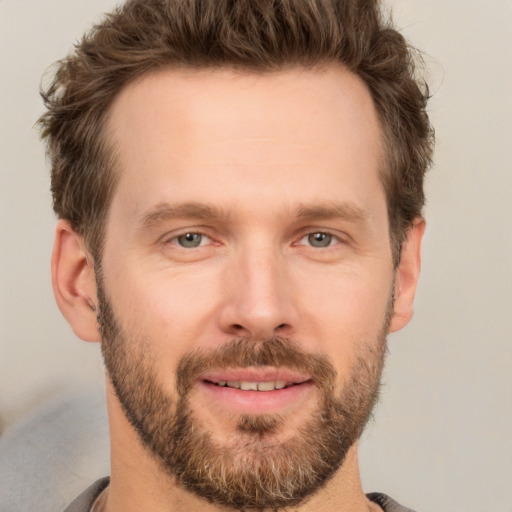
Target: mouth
[(256, 391), (247, 385)]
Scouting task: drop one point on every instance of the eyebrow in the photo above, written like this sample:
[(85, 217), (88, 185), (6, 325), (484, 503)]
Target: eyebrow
[(163, 212), (347, 211)]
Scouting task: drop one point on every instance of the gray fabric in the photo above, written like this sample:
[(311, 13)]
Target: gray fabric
[(48, 456), (386, 503), (85, 501)]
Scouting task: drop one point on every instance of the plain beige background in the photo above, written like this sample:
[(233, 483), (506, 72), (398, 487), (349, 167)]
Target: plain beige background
[(441, 440)]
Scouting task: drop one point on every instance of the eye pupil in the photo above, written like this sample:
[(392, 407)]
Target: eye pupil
[(190, 240), (320, 239)]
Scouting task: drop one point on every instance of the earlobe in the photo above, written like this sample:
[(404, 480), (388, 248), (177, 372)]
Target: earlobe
[(407, 276), (74, 283)]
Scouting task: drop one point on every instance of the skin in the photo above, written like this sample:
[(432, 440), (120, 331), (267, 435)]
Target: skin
[(276, 157)]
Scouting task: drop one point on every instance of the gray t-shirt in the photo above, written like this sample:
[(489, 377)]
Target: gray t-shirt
[(85, 501)]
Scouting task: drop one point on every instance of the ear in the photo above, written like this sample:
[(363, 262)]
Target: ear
[(407, 276), (74, 283)]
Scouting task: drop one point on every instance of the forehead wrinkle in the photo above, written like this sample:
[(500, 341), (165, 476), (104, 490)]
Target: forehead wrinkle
[(164, 211)]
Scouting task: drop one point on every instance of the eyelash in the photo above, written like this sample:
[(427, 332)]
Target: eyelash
[(332, 239), (175, 239)]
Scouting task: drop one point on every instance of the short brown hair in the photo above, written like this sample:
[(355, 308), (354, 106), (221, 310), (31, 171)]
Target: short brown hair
[(256, 35)]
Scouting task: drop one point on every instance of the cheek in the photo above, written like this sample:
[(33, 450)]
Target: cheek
[(355, 292), (342, 310), (172, 310)]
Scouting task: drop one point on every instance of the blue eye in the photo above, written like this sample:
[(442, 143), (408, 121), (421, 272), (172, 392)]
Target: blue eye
[(320, 239), (190, 240)]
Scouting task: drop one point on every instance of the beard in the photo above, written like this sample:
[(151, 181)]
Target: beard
[(252, 469)]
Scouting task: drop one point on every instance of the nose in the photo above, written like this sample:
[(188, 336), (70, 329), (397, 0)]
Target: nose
[(259, 299)]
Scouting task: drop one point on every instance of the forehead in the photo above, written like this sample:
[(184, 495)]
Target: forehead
[(222, 135)]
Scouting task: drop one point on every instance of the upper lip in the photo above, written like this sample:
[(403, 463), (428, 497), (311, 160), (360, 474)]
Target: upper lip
[(256, 375)]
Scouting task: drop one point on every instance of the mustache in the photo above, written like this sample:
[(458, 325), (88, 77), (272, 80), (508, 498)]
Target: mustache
[(278, 352)]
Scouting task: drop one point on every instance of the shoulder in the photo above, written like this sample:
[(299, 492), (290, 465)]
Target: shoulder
[(84, 501), (386, 503)]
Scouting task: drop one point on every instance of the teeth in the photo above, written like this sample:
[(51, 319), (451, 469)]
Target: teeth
[(245, 385), (266, 386), (248, 386)]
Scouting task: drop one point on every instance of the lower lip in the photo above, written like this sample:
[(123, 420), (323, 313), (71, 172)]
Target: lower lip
[(257, 402)]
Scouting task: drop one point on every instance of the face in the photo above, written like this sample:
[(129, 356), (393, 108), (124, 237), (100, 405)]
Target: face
[(246, 281)]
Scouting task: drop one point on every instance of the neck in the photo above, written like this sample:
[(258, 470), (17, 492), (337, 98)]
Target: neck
[(139, 484)]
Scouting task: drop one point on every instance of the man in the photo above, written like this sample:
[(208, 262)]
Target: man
[(239, 187)]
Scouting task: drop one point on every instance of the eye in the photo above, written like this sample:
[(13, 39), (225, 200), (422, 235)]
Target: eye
[(191, 240), (320, 239)]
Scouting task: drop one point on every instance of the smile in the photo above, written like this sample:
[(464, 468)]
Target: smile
[(245, 385), (256, 390)]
